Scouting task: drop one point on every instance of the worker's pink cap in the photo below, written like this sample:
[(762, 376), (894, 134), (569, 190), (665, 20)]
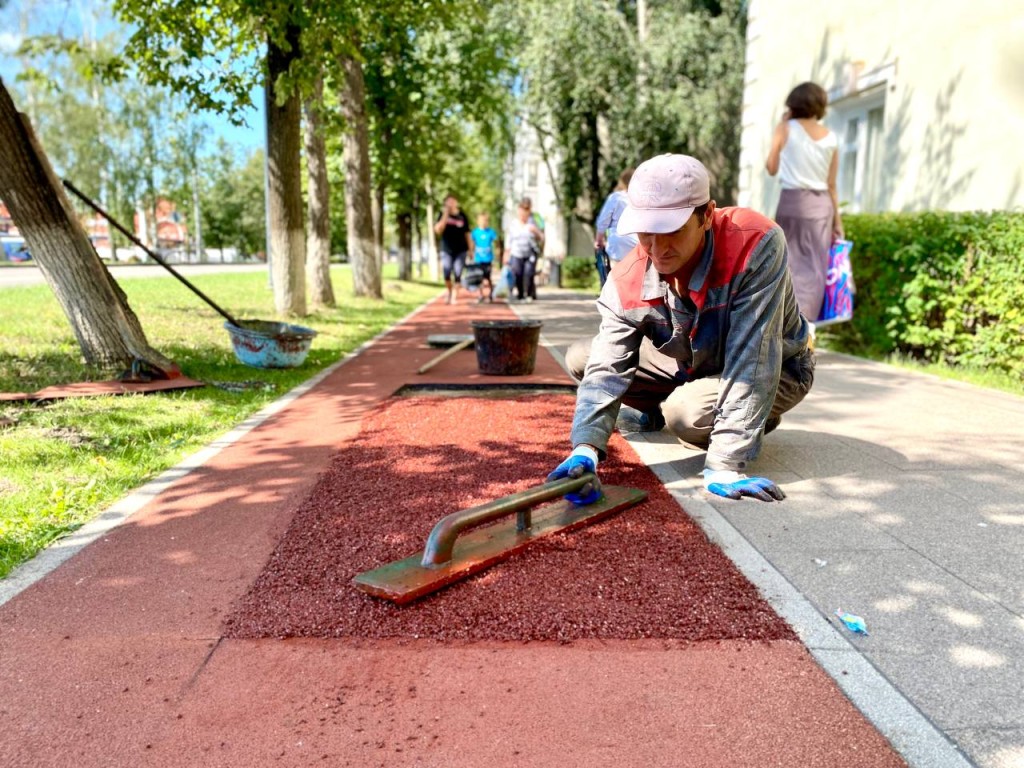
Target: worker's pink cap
[(663, 193)]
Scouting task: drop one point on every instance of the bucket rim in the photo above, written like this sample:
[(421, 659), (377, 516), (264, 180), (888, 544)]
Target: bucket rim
[(506, 323), (285, 330)]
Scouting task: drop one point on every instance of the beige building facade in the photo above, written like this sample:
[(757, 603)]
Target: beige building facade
[(926, 98), (528, 175)]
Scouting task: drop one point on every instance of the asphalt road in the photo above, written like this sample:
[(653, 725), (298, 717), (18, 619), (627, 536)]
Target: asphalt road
[(11, 277)]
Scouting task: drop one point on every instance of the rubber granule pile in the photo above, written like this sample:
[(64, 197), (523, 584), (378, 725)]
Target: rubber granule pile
[(647, 572)]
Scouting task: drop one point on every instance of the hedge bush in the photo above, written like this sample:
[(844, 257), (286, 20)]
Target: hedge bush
[(937, 286), (579, 272)]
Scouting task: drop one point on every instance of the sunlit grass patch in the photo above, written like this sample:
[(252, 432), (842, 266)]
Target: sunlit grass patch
[(66, 460)]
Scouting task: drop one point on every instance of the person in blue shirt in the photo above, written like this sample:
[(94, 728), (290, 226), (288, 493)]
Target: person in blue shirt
[(608, 239), (484, 239)]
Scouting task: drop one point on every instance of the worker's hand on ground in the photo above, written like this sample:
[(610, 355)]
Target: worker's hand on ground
[(582, 460), (733, 485)]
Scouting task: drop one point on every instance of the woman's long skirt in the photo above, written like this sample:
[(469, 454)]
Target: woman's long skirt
[(805, 216)]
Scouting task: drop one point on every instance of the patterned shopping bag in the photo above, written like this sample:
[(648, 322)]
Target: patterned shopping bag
[(839, 287)]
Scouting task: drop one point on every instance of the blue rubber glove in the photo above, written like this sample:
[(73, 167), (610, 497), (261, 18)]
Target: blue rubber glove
[(583, 459), (733, 485)]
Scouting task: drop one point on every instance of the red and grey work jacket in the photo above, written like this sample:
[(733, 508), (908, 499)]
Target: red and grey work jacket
[(739, 321)]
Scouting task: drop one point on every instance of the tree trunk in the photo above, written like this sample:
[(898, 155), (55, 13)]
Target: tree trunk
[(108, 332), (594, 195), (433, 258), (284, 184), (358, 208), (417, 219), (378, 223), (405, 245), (318, 243), (197, 221)]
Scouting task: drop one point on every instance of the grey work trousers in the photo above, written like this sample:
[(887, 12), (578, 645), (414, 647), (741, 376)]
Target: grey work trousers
[(689, 409)]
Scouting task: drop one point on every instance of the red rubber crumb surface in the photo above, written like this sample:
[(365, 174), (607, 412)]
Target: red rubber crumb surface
[(647, 572)]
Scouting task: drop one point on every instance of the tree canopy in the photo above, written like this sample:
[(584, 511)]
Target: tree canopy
[(619, 91), (447, 82)]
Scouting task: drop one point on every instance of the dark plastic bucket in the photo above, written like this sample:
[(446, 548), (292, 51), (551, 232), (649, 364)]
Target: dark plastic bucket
[(506, 347), (262, 344)]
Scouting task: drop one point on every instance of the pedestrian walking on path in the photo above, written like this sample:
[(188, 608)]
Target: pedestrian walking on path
[(700, 333), (804, 154), (456, 244), (484, 241), (524, 243), (608, 240)]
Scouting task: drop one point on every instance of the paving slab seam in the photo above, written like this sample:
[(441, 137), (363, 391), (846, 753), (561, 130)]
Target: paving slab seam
[(63, 549), (909, 731), (940, 565)]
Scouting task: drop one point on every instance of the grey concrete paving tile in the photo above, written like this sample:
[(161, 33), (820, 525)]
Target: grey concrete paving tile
[(819, 452), (993, 747), (981, 690), (954, 451), (895, 716), (859, 398), (947, 647), (993, 486), (807, 522), (981, 541), (992, 570), (905, 598)]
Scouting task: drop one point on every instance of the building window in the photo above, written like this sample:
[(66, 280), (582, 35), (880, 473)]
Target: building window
[(859, 121), (532, 167)]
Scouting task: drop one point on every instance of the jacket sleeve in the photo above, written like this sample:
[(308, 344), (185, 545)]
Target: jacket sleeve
[(614, 357), (604, 218), (753, 357)]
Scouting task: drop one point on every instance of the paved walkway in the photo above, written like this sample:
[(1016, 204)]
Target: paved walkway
[(900, 509)]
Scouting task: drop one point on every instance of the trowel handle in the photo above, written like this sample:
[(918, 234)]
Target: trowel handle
[(441, 541)]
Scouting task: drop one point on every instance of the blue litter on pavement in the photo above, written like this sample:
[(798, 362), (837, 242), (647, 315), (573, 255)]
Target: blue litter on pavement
[(853, 623)]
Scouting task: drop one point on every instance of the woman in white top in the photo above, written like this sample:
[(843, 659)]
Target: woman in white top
[(524, 243), (805, 155)]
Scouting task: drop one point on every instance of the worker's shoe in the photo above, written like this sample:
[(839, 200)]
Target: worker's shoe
[(634, 420), (772, 424)]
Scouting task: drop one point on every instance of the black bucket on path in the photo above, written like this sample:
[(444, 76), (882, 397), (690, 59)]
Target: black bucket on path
[(506, 347)]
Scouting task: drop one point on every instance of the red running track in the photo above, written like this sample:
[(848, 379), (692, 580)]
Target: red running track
[(123, 656)]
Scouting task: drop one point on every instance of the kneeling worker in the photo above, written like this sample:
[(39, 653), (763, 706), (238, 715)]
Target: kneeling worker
[(700, 333)]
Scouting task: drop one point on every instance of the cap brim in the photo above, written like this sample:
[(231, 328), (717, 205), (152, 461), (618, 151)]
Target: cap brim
[(657, 221)]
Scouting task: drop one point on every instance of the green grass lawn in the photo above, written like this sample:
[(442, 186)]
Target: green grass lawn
[(63, 462)]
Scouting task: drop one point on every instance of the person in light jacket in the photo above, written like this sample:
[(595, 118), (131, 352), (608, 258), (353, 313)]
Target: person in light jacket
[(700, 333)]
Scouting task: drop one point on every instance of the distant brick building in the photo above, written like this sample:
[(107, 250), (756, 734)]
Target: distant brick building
[(6, 222)]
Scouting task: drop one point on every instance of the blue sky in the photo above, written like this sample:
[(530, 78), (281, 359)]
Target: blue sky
[(51, 17)]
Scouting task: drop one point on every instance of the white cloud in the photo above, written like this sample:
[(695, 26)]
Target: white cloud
[(9, 42)]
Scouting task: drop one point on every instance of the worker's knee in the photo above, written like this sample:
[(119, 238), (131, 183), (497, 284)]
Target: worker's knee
[(690, 416), (699, 437), (576, 357)]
